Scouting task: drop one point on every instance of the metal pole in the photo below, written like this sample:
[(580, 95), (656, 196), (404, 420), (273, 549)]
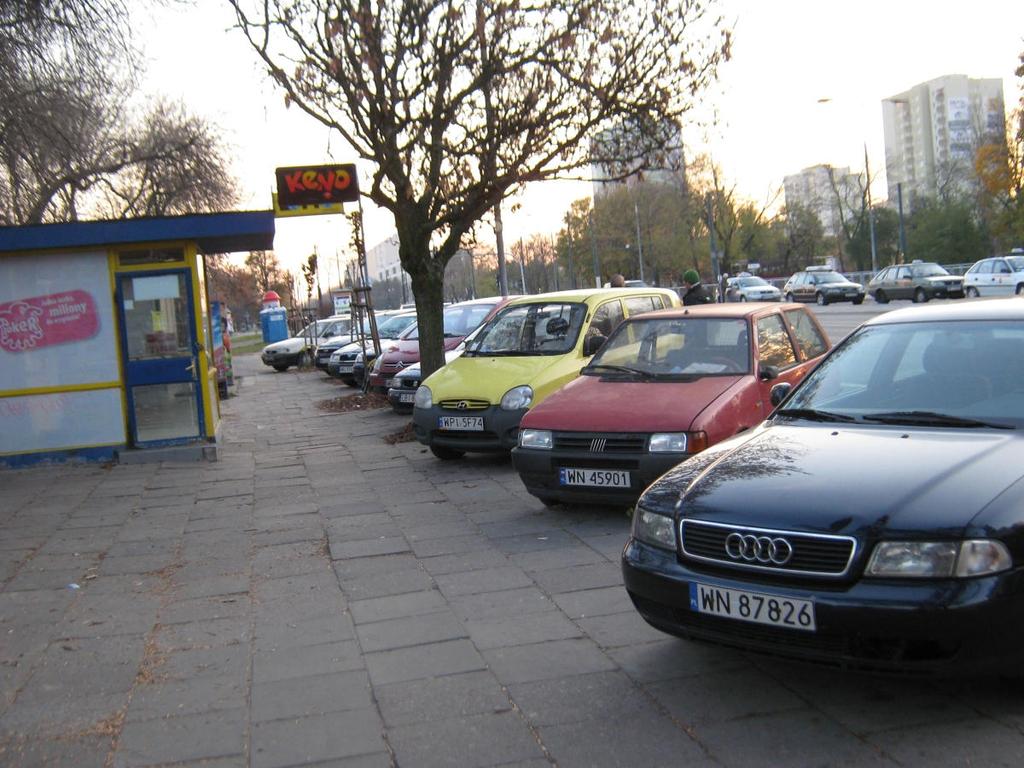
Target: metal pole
[(572, 261), (522, 269), (593, 251), (639, 244), (871, 213), (472, 276), (499, 240), (903, 232), (715, 267)]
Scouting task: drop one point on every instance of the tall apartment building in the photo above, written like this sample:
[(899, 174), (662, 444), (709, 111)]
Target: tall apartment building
[(382, 262), (933, 130), (828, 191), (667, 167)]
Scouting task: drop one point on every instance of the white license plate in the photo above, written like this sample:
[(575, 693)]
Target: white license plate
[(461, 423), (756, 607), (407, 397), (596, 477)]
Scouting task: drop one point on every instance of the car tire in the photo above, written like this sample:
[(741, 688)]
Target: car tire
[(743, 298), (350, 381), (446, 454), (821, 299), (549, 502), (972, 292), (789, 298), (280, 368), (1020, 290), (920, 297), (881, 298), (858, 300)]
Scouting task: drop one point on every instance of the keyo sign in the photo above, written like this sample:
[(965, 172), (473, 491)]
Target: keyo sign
[(317, 185)]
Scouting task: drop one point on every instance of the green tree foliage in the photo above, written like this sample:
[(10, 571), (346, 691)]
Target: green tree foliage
[(887, 241), (453, 105), (945, 232)]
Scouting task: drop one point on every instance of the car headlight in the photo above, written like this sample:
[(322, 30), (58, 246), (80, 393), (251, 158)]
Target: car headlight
[(536, 438), (654, 529), (517, 398), (668, 442), (939, 559), (360, 357), (424, 398)]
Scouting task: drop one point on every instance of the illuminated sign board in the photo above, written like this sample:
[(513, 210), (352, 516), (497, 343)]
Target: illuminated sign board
[(316, 185)]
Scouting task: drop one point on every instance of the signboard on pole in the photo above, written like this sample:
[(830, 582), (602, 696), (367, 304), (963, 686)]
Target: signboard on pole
[(317, 185), (306, 210)]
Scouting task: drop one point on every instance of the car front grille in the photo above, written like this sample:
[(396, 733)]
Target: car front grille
[(600, 443), (812, 554), (407, 383), (465, 405)]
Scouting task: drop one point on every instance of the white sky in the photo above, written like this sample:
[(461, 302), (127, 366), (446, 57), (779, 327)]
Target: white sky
[(787, 54)]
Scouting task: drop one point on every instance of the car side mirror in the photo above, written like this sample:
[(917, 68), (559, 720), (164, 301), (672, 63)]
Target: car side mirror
[(593, 343), (768, 372), (780, 392)]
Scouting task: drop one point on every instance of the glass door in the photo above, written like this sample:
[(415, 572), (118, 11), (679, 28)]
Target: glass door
[(158, 340)]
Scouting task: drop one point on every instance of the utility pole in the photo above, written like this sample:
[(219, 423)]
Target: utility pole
[(487, 162), (715, 267), (522, 269), (572, 260), (593, 250), (903, 232), (871, 213), (639, 243)]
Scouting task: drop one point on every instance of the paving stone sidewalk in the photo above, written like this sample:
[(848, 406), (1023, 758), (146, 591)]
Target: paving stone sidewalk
[(320, 597)]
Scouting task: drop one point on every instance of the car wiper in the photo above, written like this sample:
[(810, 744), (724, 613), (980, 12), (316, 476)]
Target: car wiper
[(931, 418), (813, 414), (618, 369)]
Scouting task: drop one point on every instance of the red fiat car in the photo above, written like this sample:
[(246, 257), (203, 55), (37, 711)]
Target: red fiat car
[(460, 320), (665, 386)]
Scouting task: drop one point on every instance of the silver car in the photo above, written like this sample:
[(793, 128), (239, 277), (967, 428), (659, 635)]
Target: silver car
[(751, 289)]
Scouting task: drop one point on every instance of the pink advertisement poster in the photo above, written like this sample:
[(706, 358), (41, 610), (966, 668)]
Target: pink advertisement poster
[(43, 321)]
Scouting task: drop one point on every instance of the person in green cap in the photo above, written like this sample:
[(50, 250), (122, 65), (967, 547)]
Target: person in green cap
[(695, 292)]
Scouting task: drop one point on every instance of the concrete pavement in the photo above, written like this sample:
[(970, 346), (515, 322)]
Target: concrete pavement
[(319, 597)]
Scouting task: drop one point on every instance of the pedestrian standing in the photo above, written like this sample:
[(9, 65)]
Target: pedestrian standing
[(695, 291)]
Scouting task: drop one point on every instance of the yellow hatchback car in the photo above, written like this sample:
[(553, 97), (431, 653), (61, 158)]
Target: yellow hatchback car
[(529, 349)]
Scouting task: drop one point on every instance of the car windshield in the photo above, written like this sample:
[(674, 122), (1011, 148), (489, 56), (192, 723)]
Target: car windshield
[(458, 321), (393, 326), (541, 328), (914, 373), (928, 270), (829, 277), (1016, 263), (674, 348), (750, 282)]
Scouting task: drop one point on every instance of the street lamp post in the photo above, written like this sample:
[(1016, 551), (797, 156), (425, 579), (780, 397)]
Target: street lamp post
[(903, 231), (639, 242)]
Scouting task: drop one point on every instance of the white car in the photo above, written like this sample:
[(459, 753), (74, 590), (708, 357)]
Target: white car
[(997, 276), (751, 288), (282, 354), (341, 360)]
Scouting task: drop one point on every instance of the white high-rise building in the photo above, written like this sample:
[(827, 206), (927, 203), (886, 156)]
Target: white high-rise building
[(382, 262), (933, 130), (667, 167), (829, 192)]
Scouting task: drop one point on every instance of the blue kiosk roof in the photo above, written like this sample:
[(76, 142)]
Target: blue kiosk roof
[(212, 232)]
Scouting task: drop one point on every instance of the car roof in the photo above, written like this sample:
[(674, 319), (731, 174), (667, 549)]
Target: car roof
[(976, 309), (583, 294), (482, 300), (730, 310)]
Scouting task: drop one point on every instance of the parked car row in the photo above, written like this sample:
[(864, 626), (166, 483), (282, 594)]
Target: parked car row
[(875, 520)]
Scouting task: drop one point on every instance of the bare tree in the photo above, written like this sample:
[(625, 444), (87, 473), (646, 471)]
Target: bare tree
[(456, 104), (68, 143)]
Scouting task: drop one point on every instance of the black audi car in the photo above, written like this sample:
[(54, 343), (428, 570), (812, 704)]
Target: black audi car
[(875, 520)]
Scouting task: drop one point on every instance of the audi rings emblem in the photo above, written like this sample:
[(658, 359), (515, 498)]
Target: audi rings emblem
[(758, 549)]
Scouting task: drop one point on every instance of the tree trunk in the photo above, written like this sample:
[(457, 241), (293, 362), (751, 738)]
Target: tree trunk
[(428, 290)]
